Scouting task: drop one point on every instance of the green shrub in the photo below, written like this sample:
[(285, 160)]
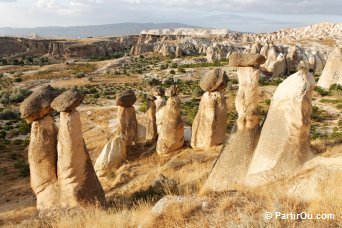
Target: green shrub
[(172, 71), (8, 114), (322, 91)]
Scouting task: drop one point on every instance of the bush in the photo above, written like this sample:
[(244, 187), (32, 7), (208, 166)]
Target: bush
[(24, 128), (322, 91), (181, 70), (172, 71), (18, 79), (8, 114), (80, 75)]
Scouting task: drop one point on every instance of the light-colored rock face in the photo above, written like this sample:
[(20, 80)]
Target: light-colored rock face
[(42, 156), (151, 124), (310, 182), (284, 139), (171, 136), (111, 157), (209, 126), (246, 101), (128, 124), (332, 72), (159, 118), (160, 102), (232, 164), (278, 66), (76, 175)]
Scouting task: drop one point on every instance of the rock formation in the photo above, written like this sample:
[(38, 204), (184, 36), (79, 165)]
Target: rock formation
[(232, 164), (111, 157), (332, 72), (160, 101), (42, 157), (128, 124), (171, 135), (284, 139), (77, 179), (209, 126), (245, 60), (37, 105), (151, 124)]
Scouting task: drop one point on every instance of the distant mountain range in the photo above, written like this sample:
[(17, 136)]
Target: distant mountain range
[(90, 30)]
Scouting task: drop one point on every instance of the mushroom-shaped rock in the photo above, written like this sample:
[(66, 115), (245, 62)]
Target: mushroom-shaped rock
[(67, 101), (126, 99), (209, 126), (128, 124), (38, 104), (214, 80), (232, 164), (284, 140), (171, 136), (77, 179), (246, 60)]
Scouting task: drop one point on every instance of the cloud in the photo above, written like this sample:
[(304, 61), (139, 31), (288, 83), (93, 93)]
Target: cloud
[(1, 1)]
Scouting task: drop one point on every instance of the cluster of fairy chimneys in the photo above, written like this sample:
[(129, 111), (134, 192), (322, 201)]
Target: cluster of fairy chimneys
[(62, 174), (61, 170)]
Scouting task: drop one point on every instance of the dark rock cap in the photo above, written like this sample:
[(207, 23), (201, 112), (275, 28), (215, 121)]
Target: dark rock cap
[(126, 98), (38, 104), (246, 60), (67, 101), (214, 80), (159, 91)]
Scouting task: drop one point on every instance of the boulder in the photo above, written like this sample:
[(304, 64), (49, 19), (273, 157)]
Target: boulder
[(67, 101), (126, 98), (246, 60), (332, 72), (214, 80), (231, 166), (38, 104), (284, 140), (111, 156), (42, 157), (128, 124), (76, 175), (209, 126), (151, 124), (171, 136)]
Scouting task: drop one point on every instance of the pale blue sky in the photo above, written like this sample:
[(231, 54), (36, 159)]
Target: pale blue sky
[(240, 15)]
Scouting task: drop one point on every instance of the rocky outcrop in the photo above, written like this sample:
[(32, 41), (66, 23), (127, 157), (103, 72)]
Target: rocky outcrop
[(111, 156), (37, 105), (284, 139), (151, 124), (232, 164), (209, 126), (128, 124), (42, 156), (77, 179), (171, 136), (332, 72)]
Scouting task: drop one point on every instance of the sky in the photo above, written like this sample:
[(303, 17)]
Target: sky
[(237, 15)]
